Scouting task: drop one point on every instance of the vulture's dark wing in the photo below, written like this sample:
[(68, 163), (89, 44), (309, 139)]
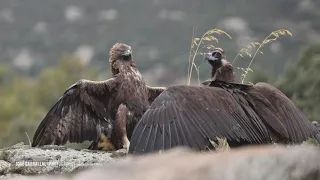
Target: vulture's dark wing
[(154, 92), (295, 121), (257, 103), (190, 116), (80, 114)]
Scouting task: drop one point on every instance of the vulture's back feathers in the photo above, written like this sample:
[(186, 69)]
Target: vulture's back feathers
[(192, 116)]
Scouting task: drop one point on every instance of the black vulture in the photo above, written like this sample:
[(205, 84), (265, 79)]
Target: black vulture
[(298, 126), (243, 114), (194, 116), (104, 112)]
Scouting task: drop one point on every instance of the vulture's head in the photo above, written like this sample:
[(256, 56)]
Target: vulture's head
[(121, 52), (216, 57)]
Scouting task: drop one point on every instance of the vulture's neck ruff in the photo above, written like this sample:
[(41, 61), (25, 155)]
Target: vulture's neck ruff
[(225, 73), (222, 70)]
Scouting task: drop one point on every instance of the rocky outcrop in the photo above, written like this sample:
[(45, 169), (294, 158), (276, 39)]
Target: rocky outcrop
[(24, 160), (247, 163)]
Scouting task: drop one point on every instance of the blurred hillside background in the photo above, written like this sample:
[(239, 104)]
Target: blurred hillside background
[(45, 46)]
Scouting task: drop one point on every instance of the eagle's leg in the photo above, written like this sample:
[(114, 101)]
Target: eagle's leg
[(120, 126), (104, 144)]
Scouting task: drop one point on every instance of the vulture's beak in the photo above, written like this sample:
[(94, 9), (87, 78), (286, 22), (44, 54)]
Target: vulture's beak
[(212, 56)]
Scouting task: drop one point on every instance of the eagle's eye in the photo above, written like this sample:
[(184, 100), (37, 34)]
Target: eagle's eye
[(126, 55)]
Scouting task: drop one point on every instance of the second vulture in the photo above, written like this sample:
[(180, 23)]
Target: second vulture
[(193, 116)]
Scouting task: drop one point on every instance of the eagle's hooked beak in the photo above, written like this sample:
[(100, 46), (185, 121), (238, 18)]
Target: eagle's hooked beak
[(127, 52)]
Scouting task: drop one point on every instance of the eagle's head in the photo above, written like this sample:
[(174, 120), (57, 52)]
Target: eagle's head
[(216, 58), (120, 53)]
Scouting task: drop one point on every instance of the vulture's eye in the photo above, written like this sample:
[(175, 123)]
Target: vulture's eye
[(216, 54)]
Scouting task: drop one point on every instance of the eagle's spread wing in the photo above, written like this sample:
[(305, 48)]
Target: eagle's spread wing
[(192, 116), (80, 114), (297, 124), (154, 92)]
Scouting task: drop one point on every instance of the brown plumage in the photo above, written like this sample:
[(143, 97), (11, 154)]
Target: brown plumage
[(192, 116), (221, 69), (104, 112), (243, 114), (269, 101)]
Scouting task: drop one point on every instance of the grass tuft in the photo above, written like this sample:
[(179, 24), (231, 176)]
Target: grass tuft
[(221, 146), (28, 138), (206, 41), (198, 44), (273, 36)]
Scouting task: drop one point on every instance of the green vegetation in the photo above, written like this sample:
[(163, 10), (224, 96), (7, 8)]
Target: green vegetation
[(301, 82), (159, 33), (26, 100)]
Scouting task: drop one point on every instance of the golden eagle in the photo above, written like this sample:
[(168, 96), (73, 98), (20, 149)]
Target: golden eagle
[(193, 116), (104, 112)]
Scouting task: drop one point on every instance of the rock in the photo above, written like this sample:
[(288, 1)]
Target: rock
[(247, 163), (25, 160), (4, 166)]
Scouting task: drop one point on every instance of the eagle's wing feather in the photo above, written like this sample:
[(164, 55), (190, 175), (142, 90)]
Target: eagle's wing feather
[(80, 114)]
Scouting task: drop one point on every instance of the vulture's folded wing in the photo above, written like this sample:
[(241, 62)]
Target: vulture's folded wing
[(80, 114), (154, 92), (191, 116), (296, 122)]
